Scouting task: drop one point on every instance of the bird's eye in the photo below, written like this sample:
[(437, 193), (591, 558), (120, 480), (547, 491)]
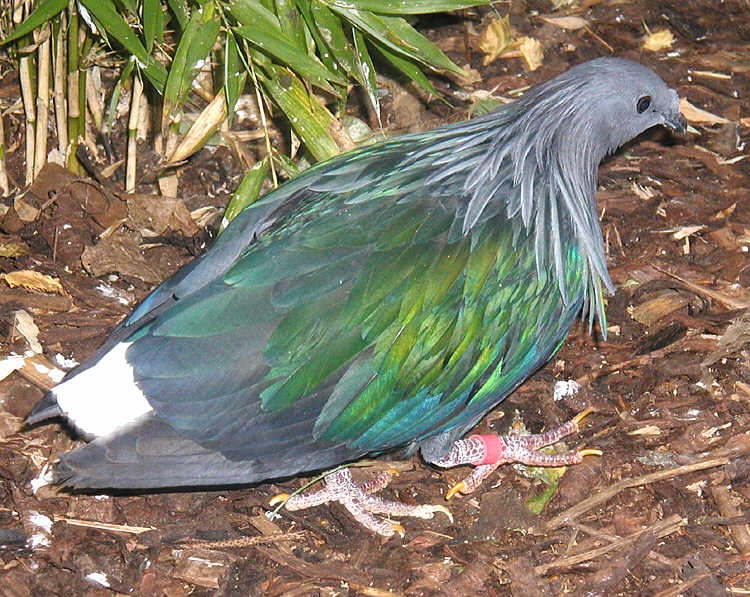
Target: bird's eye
[(643, 104)]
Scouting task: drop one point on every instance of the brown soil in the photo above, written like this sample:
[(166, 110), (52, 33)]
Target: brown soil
[(662, 512)]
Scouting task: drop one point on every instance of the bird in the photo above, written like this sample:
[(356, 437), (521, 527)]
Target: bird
[(385, 299)]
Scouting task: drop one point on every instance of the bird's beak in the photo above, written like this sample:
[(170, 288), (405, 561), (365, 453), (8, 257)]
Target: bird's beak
[(675, 122)]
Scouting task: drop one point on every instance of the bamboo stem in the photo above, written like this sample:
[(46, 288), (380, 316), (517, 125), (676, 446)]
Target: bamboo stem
[(4, 185), (26, 79), (42, 100), (135, 106), (75, 124), (60, 86)]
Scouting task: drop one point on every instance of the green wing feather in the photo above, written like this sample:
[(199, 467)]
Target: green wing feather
[(359, 316)]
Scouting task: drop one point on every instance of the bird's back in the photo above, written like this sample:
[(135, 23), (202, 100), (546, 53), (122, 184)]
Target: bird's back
[(361, 319)]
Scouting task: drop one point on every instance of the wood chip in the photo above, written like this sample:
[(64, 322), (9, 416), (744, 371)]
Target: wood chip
[(33, 280)]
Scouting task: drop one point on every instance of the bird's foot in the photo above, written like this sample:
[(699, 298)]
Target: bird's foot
[(358, 498), (487, 452)]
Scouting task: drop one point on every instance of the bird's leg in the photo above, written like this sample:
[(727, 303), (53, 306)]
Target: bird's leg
[(358, 498), (487, 452)]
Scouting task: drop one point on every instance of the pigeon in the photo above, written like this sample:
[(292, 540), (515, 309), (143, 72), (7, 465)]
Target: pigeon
[(385, 299)]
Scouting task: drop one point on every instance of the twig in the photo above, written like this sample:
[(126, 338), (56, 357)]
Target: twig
[(599, 534), (26, 79), (4, 185), (727, 301), (721, 457), (660, 529), (740, 532), (104, 526), (683, 587), (682, 344), (244, 541)]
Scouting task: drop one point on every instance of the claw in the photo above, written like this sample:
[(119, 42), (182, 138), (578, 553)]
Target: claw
[(397, 528), (277, 499), (589, 452), (442, 509), (583, 414), (457, 488)]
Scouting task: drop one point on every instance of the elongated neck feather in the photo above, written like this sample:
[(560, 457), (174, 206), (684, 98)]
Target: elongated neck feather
[(549, 147)]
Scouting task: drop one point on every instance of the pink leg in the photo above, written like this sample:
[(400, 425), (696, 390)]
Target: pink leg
[(362, 505), (487, 452)]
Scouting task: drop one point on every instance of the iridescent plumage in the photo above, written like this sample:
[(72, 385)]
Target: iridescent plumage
[(387, 298)]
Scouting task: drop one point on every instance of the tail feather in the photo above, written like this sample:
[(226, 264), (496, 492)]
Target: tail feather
[(152, 455), (46, 408)]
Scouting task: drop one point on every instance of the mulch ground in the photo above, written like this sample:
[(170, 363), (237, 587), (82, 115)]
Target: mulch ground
[(663, 512)]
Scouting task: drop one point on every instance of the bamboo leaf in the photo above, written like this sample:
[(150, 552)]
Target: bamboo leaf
[(283, 50), (153, 23), (195, 44), (120, 31), (234, 77), (44, 11), (367, 70), (407, 7), (247, 191), (250, 12), (330, 35), (406, 67), (131, 6), (291, 23), (400, 37), (310, 120), (180, 12)]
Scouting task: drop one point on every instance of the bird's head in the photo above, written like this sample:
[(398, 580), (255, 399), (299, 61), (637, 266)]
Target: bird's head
[(631, 99), (608, 102)]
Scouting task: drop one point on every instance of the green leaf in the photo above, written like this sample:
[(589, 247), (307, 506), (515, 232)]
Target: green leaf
[(234, 76), (247, 191), (310, 121), (406, 67), (250, 12), (180, 11), (288, 167), (282, 49), (407, 7), (153, 23), (366, 70), (195, 44), (291, 23), (400, 37), (130, 6), (328, 26), (118, 28), (44, 11), (537, 503)]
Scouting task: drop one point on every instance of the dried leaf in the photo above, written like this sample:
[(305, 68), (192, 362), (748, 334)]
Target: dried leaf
[(656, 41), (495, 39), (694, 114), (13, 249), (154, 215), (32, 280), (24, 324), (10, 364), (203, 127), (652, 310), (25, 210), (569, 23), (532, 51)]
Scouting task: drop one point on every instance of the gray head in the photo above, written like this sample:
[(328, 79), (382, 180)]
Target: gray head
[(605, 103)]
